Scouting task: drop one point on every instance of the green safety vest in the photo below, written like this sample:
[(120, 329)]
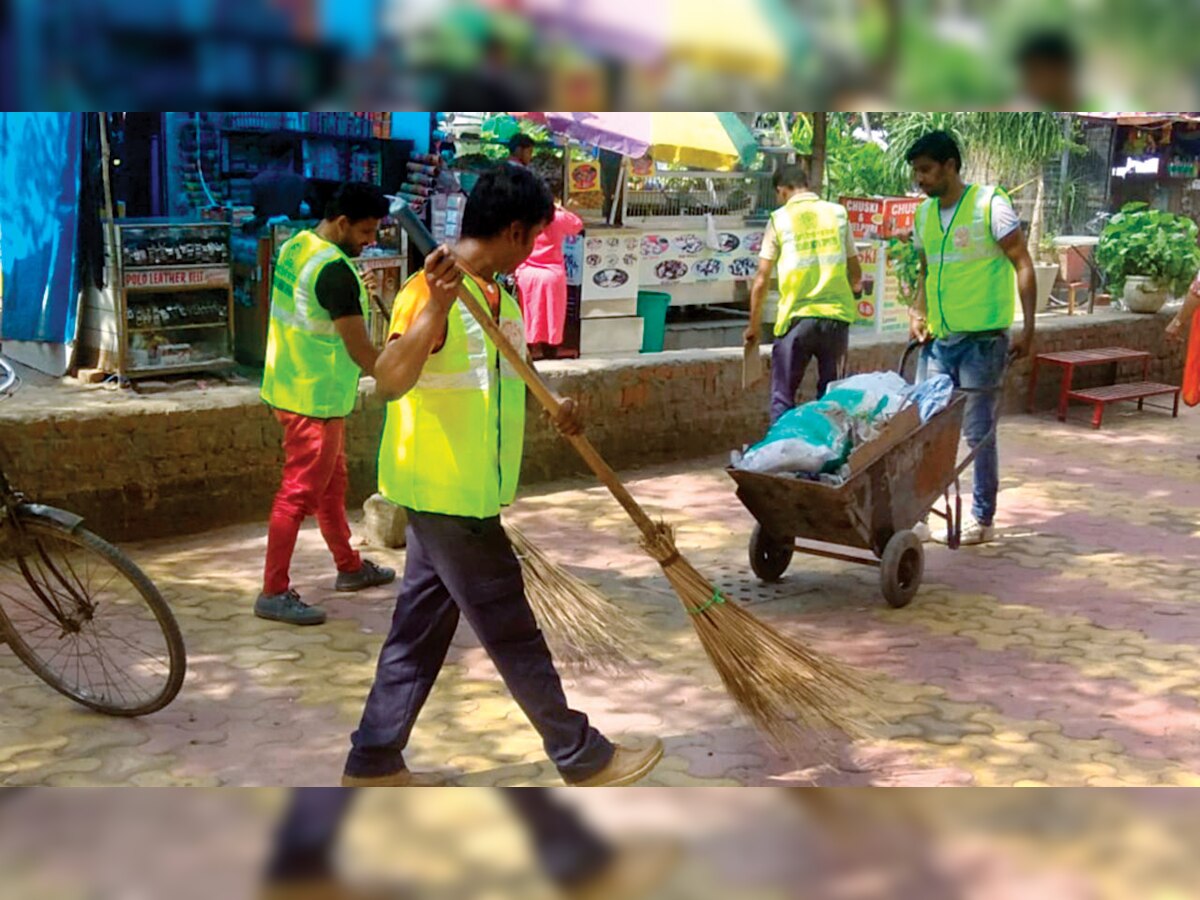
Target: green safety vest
[(970, 284), (452, 445), (308, 369), (813, 282)]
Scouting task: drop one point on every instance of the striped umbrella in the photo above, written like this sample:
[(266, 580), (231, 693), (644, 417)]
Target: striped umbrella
[(702, 140)]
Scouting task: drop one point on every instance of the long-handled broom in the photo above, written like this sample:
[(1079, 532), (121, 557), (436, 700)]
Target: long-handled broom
[(584, 629), (784, 687)]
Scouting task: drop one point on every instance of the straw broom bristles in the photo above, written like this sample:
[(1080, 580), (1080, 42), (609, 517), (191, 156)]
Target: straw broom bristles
[(584, 628), (785, 688)]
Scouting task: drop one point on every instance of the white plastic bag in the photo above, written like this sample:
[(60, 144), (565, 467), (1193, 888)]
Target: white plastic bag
[(886, 388)]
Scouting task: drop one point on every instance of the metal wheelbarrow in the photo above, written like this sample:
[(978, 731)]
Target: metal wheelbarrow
[(869, 518)]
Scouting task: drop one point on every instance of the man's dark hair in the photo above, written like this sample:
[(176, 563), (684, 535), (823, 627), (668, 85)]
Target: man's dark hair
[(357, 200), (520, 142), (280, 147), (1053, 47), (794, 176), (504, 195), (936, 145)]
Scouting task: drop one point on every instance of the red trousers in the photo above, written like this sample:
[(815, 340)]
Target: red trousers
[(314, 483)]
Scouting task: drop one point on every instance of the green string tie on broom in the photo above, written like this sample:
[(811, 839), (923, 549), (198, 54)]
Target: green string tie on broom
[(717, 597)]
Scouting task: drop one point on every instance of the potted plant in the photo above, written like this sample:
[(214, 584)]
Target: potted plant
[(1045, 266), (1146, 255)]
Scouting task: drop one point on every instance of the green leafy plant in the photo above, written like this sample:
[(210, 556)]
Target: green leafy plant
[(858, 168), (906, 263), (1047, 252), (1149, 242)]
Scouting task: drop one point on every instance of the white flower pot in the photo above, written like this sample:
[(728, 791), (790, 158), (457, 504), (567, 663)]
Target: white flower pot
[(1047, 275), (1143, 295)]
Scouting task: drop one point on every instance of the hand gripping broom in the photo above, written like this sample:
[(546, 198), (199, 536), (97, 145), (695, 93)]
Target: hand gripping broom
[(784, 687)]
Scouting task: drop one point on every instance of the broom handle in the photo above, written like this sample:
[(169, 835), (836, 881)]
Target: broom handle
[(544, 396), (424, 243)]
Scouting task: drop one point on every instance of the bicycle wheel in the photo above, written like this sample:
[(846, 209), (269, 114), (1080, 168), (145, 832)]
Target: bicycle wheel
[(87, 620)]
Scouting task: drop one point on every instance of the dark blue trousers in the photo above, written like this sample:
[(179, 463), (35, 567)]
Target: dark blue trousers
[(826, 339), (461, 565)]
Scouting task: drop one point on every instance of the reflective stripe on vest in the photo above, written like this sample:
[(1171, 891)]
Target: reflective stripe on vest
[(813, 279), (970, 284), (453, 444)]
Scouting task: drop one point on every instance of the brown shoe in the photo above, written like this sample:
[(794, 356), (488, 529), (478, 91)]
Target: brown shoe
[(638, 868), (403, 778), (631, 762)]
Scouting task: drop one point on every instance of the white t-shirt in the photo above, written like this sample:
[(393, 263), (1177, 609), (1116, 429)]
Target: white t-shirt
[(1004, 220)]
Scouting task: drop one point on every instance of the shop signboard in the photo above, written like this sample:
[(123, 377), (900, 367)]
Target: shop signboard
[(190, 276), (880, 217)]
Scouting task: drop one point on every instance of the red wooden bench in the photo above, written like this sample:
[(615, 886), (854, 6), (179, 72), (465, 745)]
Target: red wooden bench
[(1099, 397)]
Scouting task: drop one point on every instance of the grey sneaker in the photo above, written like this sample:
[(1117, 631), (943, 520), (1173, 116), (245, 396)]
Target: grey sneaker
[(287, 607), (368, 575)]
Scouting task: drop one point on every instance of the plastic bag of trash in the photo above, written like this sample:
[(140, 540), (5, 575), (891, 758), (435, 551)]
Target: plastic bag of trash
[(932, 396), (883, 394), (814, 437)]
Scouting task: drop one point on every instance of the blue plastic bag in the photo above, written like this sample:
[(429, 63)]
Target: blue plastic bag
[(932, 395)]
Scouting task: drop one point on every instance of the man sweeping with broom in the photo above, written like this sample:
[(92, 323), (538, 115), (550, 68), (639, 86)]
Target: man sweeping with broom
[(451, 455)]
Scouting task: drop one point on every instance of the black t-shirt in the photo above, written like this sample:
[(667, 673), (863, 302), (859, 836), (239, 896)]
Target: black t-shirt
[(337, 290)]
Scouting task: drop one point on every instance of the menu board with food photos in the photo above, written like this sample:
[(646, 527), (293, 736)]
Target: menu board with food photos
[(610, 263), (687, 257), (585, 190)]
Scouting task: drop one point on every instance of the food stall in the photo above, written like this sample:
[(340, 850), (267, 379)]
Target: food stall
[(687, 236)]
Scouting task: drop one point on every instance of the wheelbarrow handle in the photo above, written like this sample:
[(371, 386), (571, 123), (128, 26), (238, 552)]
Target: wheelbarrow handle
[(913, 346)]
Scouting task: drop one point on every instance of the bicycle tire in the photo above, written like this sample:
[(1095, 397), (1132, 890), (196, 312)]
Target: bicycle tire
[(112, 557)]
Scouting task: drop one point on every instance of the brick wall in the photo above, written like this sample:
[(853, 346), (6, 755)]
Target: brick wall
[(145, 467)]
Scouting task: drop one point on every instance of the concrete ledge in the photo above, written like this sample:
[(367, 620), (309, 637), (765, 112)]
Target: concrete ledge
[(189, 460)]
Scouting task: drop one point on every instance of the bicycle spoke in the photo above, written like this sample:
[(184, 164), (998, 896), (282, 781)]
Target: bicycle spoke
[(38, 611), (142, 651), (110, 681)]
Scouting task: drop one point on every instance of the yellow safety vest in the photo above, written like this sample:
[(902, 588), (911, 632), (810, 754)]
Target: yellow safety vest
[(813, 281), (452, 445), (308, 369), (970, 284)]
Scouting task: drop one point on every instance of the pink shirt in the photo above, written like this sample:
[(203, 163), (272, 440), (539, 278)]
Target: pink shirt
[(547, 249)]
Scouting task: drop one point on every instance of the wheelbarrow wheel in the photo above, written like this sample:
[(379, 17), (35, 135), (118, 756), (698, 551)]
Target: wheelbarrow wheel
[(769, 556), (901, 568)]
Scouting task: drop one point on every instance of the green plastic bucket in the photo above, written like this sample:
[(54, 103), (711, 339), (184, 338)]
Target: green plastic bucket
[(652, 307)]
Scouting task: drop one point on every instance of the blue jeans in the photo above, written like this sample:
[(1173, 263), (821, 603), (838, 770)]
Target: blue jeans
[(974, 361)]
